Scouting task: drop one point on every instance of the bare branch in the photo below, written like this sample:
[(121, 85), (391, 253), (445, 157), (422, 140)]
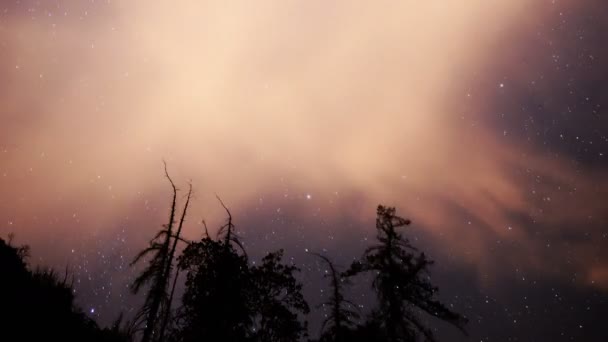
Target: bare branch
[(173, 204), (206, 229), (169, 264), (228, 225), (225, 208)]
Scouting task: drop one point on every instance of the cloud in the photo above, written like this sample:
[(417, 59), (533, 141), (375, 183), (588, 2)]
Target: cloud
[(273, 98)]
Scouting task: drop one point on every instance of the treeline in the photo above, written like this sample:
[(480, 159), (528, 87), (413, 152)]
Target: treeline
[(229, 298)]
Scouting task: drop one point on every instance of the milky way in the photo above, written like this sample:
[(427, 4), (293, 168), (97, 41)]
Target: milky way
[(484, 122)]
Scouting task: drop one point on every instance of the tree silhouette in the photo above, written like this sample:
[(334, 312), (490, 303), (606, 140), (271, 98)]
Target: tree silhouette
[(215, 304), (399, 281), (157, 273), (226, 299), (339, 322), (277, 295), (169, 267)]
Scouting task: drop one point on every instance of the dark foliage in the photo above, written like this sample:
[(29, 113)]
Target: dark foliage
[(214, 304), (39, 305), (226, 299), (277, 297), (401, 283)]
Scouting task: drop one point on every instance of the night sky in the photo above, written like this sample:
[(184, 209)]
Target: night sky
[(485, 122)]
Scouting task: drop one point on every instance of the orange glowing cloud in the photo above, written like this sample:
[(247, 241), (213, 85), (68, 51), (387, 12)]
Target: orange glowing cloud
[(310, 96)]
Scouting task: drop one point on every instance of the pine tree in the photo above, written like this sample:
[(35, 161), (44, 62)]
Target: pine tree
[(169, 267), (226, 299), (401, 283), (340, 319), (215, 305), (158, 270), (277, 297)]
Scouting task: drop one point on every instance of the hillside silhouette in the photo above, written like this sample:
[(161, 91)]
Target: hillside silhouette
[(39, 305)]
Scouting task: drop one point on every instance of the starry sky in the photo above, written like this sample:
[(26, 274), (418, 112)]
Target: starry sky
[(485, 122)]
